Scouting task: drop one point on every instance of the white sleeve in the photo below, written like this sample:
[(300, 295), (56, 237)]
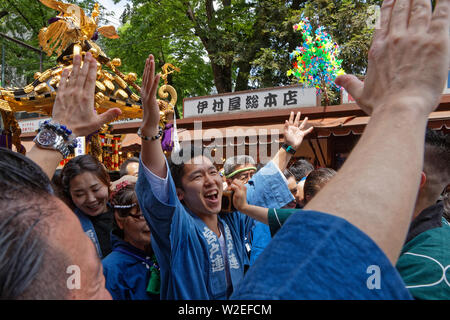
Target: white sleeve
[(281, 173), (159, 185)]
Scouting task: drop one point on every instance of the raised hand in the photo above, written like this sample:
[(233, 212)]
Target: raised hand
[(150, 82), (151, 152), (74, 103), (406, 57), (294, 132)]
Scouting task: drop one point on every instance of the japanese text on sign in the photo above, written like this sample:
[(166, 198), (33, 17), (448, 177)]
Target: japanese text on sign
[(257, 100)]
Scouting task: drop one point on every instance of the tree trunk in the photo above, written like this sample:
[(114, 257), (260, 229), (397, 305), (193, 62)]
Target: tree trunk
[(243, 76), (222, 77)]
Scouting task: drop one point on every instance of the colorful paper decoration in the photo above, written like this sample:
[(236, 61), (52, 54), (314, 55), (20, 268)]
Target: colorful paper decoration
[(315, 62)]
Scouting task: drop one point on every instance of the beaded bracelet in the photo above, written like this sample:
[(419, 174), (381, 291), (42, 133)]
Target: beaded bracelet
[(160, 132)]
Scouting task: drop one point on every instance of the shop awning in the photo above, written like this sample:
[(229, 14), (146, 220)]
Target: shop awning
[(323, 128), (438, 120), (268, 134)]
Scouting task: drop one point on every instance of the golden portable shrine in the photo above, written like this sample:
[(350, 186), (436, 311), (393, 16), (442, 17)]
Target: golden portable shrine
[(72, 33)]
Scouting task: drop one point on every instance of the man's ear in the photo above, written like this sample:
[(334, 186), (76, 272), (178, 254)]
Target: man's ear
[(119, 220), (180, 194), (306, 199), (423, 179)]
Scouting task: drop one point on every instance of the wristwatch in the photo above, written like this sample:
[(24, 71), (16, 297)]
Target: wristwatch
[(49, 139), (288, 148)]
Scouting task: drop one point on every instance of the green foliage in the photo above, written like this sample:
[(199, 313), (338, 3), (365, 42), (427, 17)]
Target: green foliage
[(23, 23), (248, 42), (149, 29), (238, 43)]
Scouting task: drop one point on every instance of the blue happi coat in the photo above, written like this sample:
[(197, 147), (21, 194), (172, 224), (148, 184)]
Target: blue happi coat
[(127, 272), (318, 256), (188, 252)]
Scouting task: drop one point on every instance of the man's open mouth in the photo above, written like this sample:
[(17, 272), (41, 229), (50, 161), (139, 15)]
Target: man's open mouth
[(212, 195)]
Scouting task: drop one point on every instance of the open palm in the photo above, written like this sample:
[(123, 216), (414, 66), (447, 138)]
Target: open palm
[(148, 93), (294, 131)]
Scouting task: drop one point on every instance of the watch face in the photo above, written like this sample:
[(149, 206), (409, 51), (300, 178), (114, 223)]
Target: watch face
[(46, 137)]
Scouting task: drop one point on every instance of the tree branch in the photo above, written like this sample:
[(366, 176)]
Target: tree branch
[(23, 17), (3, 13), (198, 31), (209, 10)]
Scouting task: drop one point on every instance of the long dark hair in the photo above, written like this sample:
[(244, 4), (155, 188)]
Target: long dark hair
[(79, 165)]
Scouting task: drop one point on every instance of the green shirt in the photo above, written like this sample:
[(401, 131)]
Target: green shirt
[(424, 264), (277, 217)]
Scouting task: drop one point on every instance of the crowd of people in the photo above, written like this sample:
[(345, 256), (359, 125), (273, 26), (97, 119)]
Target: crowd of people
[(295, 231)]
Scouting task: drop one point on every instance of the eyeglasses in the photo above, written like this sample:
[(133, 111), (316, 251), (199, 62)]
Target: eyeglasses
[(137, 216), (245, 176)]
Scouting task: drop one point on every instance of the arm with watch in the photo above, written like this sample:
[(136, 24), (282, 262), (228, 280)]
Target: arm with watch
[(268, 186), (73, 116), (275, 187)]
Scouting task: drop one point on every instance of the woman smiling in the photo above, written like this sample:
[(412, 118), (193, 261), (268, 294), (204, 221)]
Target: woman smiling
[(86, 184)]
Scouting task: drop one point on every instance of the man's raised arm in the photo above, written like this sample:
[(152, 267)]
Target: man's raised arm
[(376, 188)]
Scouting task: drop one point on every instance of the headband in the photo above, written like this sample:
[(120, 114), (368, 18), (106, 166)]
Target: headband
[(128, 206), (239, 171)]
